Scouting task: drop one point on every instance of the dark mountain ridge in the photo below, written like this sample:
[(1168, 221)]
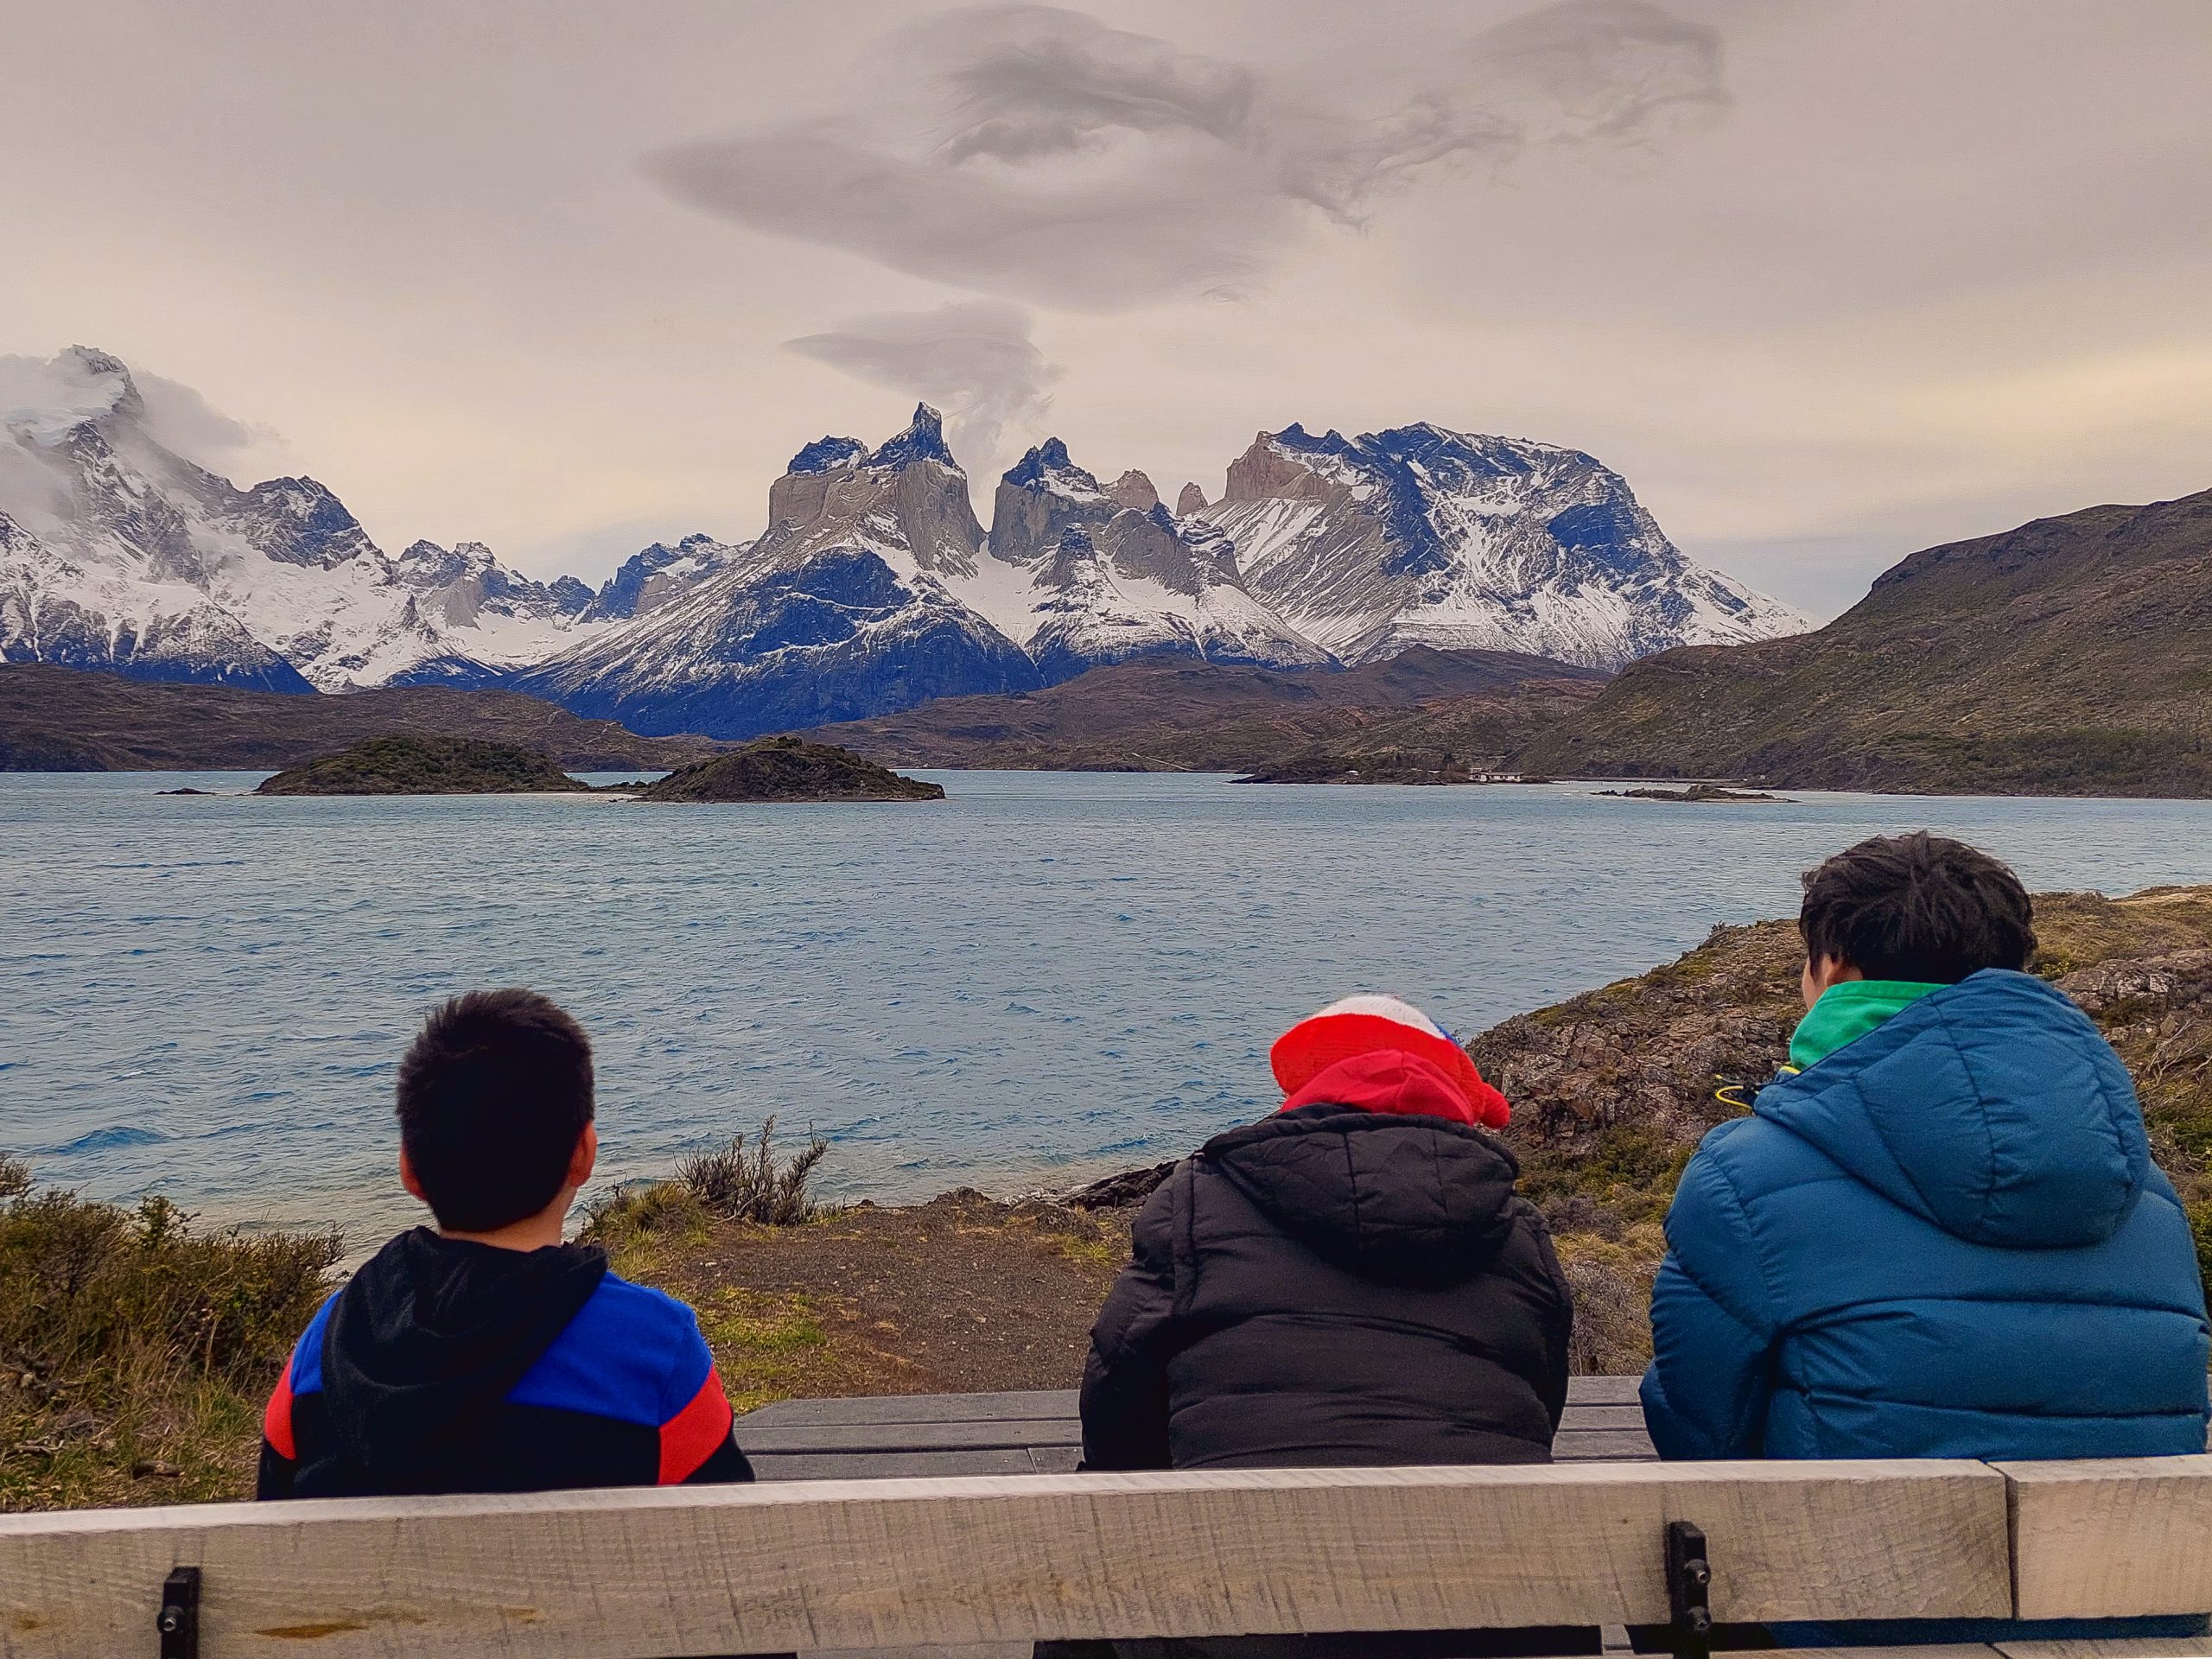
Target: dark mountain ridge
[(55, 719), (2072, 655), (1169, 714)]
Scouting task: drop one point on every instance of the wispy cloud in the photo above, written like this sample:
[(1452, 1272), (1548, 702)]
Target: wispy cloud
[(1034, 152), (973, 360), (44, 397)]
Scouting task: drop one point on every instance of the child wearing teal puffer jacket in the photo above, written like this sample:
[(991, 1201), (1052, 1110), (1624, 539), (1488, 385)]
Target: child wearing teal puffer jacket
[(1940, 1233)]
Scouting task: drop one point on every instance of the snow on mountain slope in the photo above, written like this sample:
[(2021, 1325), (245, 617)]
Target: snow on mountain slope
[(872, 589), (1420, 536), (126, 555), (650, 578), (1080, 574), (54, 610), (841, 608)]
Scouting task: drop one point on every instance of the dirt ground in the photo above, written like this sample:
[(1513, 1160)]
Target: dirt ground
[(963, 1294)]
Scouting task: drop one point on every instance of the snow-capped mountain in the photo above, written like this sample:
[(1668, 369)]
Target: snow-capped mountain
[(118, 553), (1080, 574), (873, 587), (840, 609), (650, 578), (1420, 536)]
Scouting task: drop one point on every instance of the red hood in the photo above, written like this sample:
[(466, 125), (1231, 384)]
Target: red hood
[(1391, 1080)]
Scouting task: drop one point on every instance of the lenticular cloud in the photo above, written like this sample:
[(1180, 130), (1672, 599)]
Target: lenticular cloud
[(1034, 152), (972, 358)]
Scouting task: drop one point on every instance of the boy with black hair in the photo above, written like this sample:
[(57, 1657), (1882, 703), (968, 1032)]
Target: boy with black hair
[(486, 1355), (1940, 1233)]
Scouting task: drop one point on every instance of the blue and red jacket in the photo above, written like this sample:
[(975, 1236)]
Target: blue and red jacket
[(448, 1366)]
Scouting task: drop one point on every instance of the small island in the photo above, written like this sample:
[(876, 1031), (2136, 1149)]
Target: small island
[(1696, 794), (1391, 766), (788, 769), (425, 765)]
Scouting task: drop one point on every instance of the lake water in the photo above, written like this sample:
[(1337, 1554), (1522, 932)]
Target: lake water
[(1046, 976)]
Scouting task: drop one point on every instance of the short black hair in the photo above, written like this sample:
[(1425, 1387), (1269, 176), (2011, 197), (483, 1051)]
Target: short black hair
[(494, 1093), (1917, 907)]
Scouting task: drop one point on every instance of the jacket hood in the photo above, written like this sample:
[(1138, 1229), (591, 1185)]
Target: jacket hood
[(429, 1337), (1992, 1108), (1391, 1186)]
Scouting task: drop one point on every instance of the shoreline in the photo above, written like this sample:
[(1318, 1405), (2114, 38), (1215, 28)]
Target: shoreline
[(1611, 1090), (1553, 780)]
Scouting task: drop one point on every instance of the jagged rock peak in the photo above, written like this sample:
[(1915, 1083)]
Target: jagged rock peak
[(1047, 466), (1192, 499), (828, 455), (1134, 491), (923, 440)]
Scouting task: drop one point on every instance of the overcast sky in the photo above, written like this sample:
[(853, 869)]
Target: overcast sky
[(1827, 280)]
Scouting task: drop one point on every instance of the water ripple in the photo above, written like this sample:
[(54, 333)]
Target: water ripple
[(1045, 976)]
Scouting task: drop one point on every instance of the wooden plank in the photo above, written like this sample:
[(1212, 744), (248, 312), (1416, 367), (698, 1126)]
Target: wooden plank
[(1603, 1390), (641, 1572), (1603, 1445), (894, 1466), (908, 1437), (2114, 1536), (1596, 1392), (2147, 1647), (1025, 1404), (940, 1422), (1603, 1417)]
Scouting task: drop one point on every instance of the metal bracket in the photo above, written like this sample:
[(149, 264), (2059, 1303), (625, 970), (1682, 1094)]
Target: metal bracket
[(178, 1619), (1689, 1584)]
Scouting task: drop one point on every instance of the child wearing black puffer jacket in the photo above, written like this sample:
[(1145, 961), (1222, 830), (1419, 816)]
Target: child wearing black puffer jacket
[(1351, 1282)]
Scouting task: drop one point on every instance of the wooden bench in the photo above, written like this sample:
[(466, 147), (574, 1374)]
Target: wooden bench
[(1004, 1559), (1038, 1433)]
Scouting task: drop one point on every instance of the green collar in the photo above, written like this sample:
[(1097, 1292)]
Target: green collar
[(1847, 1012)]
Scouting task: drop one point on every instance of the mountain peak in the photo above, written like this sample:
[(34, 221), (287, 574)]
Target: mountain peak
[(1048, 466), (95, 361), (1134, 490), (828, 455), (923, 440)]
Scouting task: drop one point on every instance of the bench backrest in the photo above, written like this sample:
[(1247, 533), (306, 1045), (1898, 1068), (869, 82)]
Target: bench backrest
[(643, 1574)]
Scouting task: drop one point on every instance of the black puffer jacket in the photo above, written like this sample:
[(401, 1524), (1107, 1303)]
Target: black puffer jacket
[(1350, 1284)]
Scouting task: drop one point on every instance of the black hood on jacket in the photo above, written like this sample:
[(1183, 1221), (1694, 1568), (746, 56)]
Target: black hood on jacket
[(431, 1335), (1406, 1199)]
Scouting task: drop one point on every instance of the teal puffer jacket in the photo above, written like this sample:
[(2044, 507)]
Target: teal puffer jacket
[(1945, 1240)]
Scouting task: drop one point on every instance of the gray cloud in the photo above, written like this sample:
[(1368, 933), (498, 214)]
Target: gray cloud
[(1034, 152), (973, 359)]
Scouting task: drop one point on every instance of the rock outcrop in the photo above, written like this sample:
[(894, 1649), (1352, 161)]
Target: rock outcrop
[(424, 765), (840, 609), (1080, 575), (776, 769)]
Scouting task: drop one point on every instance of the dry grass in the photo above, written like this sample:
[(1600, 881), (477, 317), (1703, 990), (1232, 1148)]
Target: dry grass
[(135, 1352), (728, 1183)]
